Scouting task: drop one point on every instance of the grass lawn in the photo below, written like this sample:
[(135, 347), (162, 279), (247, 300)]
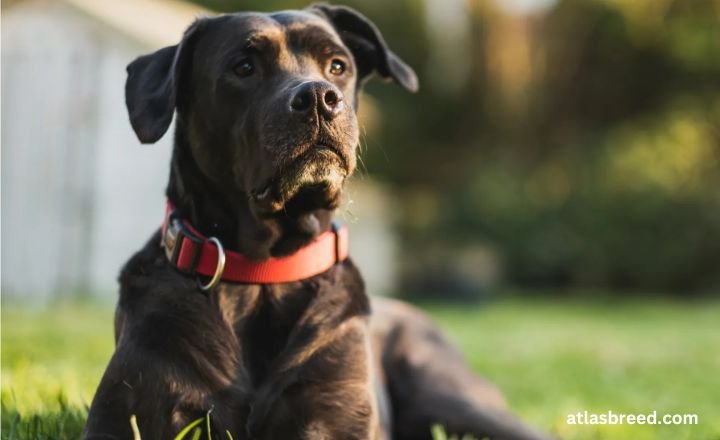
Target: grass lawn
[(551, 357)]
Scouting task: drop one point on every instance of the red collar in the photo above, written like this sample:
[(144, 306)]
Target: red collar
[(194, 254)]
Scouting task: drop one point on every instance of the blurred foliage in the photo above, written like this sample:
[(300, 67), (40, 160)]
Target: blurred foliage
[(578, 144)]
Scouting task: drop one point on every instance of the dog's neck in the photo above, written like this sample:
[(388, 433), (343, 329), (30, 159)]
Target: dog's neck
[(220, 212)]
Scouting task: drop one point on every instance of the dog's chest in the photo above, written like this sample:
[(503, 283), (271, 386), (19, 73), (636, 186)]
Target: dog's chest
[(298, 348), (263, 319)]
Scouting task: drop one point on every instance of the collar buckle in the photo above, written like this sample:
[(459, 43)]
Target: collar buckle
[(175, 235)]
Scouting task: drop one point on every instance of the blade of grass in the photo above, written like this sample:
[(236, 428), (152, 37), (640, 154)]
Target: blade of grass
[(207, 423), (134, 427), (438, 432), (181, 435)]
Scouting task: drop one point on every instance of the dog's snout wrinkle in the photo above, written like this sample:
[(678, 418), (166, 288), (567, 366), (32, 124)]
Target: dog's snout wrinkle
[(319, 97)]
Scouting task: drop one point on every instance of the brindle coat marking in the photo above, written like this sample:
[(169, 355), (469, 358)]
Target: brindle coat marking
[(265, 136)]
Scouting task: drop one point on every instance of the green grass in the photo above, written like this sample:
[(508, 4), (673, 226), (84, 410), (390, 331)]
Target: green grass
[(553, 358), (52, 360), (550, 357)]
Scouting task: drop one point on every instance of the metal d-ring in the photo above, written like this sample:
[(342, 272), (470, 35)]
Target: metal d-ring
[(219, 268)]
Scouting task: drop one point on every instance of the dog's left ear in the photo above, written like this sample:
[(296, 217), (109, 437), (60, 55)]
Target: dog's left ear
[(368, 47), (153, 84)]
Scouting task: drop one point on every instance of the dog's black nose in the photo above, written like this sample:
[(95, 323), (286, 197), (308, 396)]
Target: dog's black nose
[(319, 96)]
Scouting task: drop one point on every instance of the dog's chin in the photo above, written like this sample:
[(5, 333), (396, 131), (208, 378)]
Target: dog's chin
[(313, 181)]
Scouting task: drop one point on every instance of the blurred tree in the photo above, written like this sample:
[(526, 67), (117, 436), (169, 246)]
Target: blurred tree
[(611, 177)]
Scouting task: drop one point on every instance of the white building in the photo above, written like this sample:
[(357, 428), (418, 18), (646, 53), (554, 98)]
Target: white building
[(79, 192)]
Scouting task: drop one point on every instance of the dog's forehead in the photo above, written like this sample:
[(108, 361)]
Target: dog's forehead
[(299, 20), (279, 26)]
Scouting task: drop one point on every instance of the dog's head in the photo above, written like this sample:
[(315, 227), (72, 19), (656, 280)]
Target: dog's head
[(266, 102)]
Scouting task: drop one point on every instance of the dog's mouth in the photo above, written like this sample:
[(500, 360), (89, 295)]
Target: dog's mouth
[(313, 180)]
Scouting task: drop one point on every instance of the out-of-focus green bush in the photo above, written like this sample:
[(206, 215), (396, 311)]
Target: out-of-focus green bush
[(575, 145)]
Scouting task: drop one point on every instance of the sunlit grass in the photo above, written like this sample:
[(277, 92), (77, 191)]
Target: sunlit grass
[(54, 354), (550, 357), (438, 433), (554, 358)]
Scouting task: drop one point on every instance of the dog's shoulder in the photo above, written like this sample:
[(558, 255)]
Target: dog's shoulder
[(152, 291), (165, 314), (148, 255), (148, 272)]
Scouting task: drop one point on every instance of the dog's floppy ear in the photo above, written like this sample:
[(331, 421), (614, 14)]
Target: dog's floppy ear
[(369, 49), (152, 87)]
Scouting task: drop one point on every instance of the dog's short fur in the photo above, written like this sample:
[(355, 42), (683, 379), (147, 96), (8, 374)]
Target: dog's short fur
[(266, 133)]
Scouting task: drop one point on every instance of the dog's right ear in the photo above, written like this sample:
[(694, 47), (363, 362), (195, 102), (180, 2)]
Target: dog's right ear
[(367, 45), (153, 85)]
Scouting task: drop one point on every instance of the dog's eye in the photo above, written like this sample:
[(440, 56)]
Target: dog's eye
[(337, 67), (244, 68)]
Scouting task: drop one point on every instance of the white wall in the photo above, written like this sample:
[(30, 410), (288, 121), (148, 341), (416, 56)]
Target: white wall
[(79, 192)]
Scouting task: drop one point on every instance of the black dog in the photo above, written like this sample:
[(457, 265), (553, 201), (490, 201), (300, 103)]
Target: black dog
[(266, 135)]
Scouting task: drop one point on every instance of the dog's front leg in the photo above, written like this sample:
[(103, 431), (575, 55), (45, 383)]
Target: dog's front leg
[(128, 389), (326, 394), (166, 383)]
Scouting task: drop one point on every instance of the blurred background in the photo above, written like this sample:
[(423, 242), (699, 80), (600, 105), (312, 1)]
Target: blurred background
[(562, 155), (563, 145)]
